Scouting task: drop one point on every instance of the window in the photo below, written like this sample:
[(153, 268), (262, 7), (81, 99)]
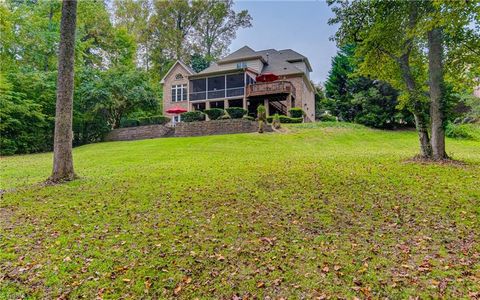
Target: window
[(241, 65), (179, 92), (178, 76)]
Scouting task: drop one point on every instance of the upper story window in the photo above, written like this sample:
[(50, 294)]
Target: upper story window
[(179, 92), (178, 76), (241, 65)]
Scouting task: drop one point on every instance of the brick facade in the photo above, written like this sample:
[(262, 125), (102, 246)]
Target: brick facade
[(304, 97), (173, 78)]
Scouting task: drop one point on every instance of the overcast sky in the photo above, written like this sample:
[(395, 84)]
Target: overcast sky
[(299, 25)]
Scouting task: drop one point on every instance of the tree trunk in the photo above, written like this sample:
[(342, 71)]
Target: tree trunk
[(435, 67), (422, 129), (62, 149), (418, 109)]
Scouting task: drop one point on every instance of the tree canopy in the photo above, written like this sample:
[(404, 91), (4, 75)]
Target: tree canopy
[(122, 49), (393, 43)]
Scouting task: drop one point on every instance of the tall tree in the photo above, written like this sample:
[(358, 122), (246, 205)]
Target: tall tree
[(352, 97), (135, 17), (435, 67), (175, 21), (62, 150), (391, 37), (216, 31)]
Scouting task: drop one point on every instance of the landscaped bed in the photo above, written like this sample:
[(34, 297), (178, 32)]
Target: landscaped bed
[(324, 210)]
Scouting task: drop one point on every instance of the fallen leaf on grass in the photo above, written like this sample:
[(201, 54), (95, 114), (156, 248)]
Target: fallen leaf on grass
[(260, 284), (177, 290), (187, 279), (148, 284)]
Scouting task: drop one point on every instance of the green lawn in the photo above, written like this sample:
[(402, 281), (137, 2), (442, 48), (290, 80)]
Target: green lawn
[(324, 210)]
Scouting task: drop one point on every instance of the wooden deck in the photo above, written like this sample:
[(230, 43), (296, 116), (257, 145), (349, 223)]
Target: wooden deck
[(270, 88)]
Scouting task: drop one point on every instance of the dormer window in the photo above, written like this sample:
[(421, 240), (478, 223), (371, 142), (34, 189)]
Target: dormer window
[(241, 65), (178, 76)]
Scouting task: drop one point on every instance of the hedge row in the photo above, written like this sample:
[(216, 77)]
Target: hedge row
[(214, 114), (131, 122), (284, 119), (296, 112), (193, 116)]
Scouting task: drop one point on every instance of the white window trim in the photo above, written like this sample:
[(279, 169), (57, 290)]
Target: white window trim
[(179, 94)]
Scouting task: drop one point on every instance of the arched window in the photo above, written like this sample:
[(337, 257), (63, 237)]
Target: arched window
[(178, 77)]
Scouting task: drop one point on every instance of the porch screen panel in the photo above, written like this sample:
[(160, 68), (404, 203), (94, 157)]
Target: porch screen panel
[(235, 84), (216, 87), (198, 89)]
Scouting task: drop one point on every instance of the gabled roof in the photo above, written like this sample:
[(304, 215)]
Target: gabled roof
[(279, 62), (243, 53), (187, 68)]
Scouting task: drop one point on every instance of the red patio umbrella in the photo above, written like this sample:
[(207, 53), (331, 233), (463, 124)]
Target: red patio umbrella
[(267, 77), (176, 110)]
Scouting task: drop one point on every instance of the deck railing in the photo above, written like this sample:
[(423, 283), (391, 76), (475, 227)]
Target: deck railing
[(268, 88)]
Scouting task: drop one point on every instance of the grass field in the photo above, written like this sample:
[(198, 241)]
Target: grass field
[(327, 211)]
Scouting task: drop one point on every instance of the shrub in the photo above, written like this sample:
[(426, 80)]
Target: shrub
[(327, 118), (162, 120), (133, 122), (276, 121), (463, 131), (248, 118), (193, 116), (225, 117), (285, 119), (262, 118), (129, 123), (296, 112), (214, 113), (236, 112)]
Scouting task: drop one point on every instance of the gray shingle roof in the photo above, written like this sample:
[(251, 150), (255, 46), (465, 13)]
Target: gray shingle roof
[(275, 61), (241, 53)]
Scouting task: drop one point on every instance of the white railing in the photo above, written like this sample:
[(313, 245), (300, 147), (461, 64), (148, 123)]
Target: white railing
[(217, 94)]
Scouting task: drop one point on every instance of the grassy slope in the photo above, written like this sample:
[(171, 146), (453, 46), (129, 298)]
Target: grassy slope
[(318, 211)]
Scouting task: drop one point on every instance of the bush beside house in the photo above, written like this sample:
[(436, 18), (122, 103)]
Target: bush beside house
[(296, 112), (285, 119), (193, 116), (152, 120), (214, 113), (236, 112)]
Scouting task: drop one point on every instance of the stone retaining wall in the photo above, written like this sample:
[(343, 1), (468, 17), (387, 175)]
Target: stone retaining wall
[(216, 127), (139, 133), (185, 129)]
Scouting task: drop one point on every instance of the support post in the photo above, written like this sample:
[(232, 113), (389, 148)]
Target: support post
[(225, 103), (245, 91), (289, 104), (267, 108)]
